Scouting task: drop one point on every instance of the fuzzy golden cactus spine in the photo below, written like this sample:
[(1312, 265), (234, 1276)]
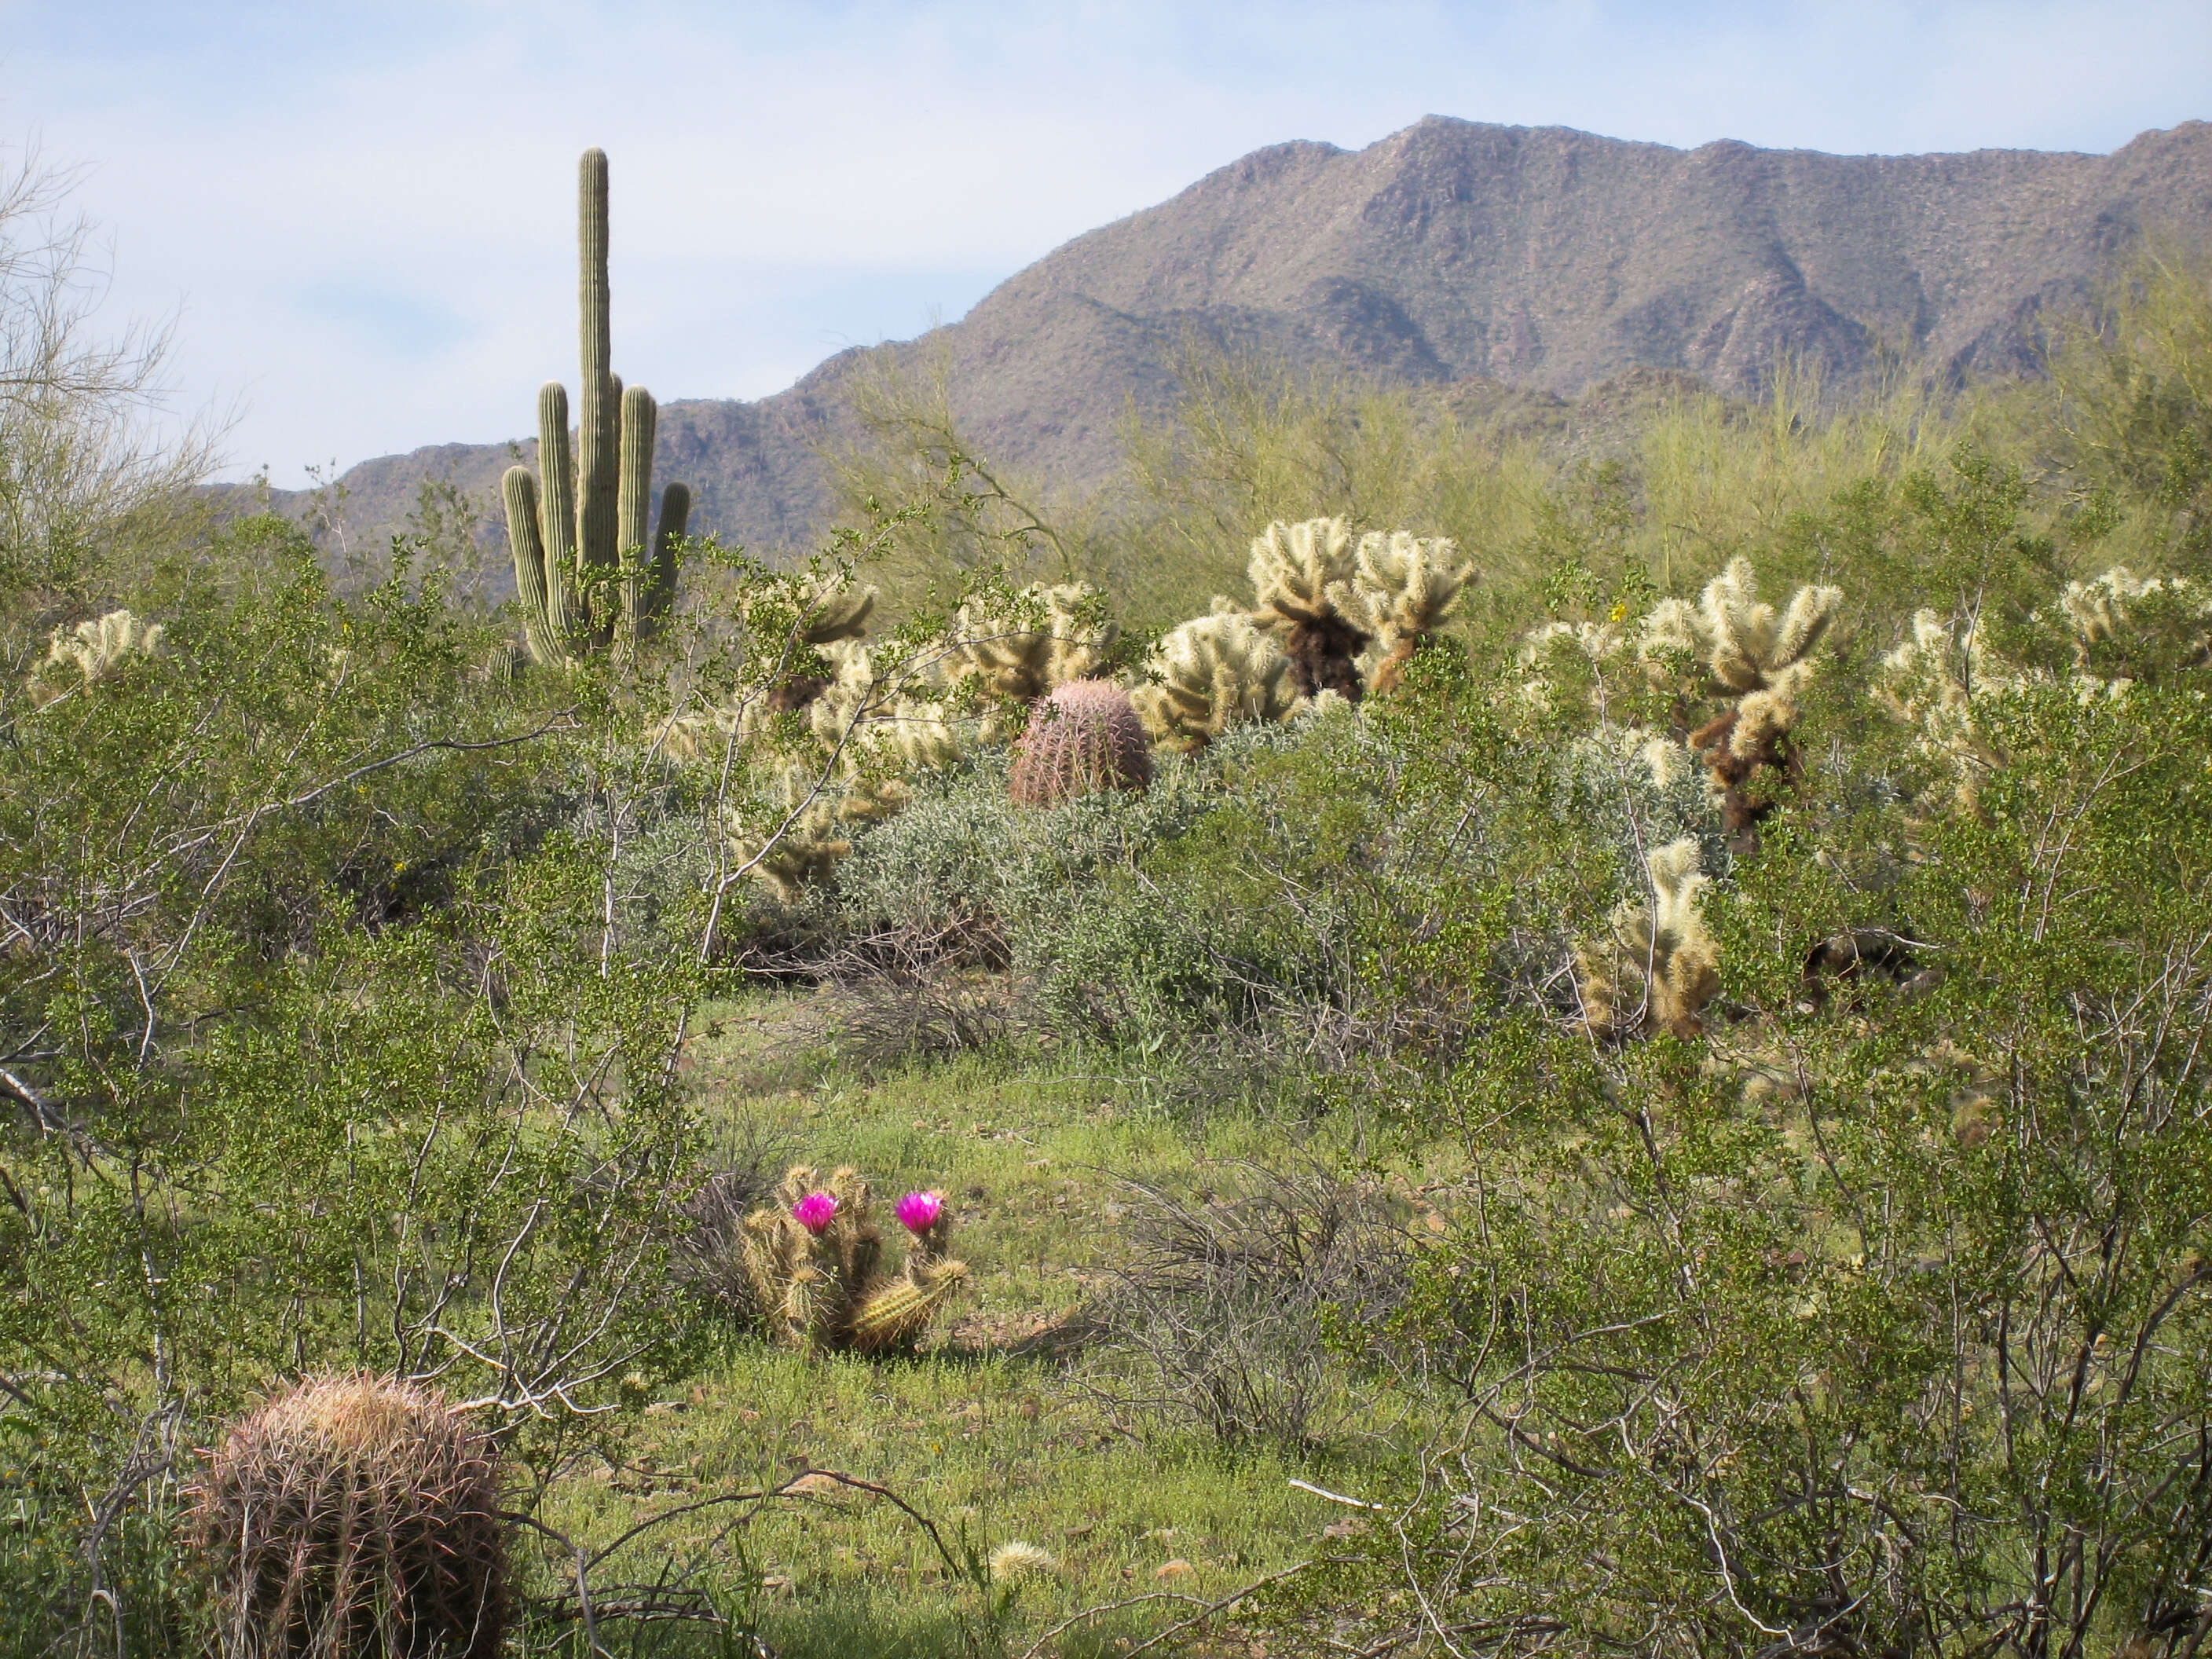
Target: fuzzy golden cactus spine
[(1660, 968), (584, 518), (90, 652), (1048, 636), (1211, 673), (807, 852), (353, 1515), (1083, 738), (2124, 625), (1403, 588), (1299, 573), (1764, 658)]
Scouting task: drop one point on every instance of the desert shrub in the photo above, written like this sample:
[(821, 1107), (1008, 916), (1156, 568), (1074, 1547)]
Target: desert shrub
[(1235, 1306), (322, 1020), (1870, 1319)]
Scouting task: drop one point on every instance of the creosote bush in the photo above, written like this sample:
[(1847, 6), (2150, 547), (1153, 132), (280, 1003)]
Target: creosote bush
[(1233, 1310)]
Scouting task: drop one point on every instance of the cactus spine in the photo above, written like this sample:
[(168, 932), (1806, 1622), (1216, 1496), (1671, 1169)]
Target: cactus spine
[(354, 1515), (1083, 738), (822, 1287), (587, 516)]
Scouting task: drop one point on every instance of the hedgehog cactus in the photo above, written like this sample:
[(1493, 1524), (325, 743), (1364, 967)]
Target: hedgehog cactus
[(588, 520), (1659, 968), (355, 1516), (1083, 738), (1299, 573), (1213, 672), (814, 1256), (90, 652)]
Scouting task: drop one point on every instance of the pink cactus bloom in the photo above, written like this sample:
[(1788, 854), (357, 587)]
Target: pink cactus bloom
[(918, 1211), (814, 1212)]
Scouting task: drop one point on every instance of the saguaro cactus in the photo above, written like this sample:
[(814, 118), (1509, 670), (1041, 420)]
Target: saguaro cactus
[(588, 518)]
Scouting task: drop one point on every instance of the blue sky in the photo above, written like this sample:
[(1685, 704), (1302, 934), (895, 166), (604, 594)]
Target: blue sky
[(363, 214)]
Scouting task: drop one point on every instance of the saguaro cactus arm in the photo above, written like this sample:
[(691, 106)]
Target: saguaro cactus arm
[(675, 517), (531, 586), (634, 503), (557, 468)]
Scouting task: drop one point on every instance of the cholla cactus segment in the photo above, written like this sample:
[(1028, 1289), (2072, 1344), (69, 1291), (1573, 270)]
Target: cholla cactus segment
[(807, 854), (1049, 637), (1661, 967), (90, 652), (354, 1515), (2111, 608), (1932, 682), (1403, 588), (1747, 643), (814, 1257), (1294, 566), (1214, 671), (917, 736), (1299, 573), (1016, 1560), (1085, 738)]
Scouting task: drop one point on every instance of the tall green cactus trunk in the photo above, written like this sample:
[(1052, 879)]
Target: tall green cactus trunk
[(597, 409), (590, 517), (558, 509)]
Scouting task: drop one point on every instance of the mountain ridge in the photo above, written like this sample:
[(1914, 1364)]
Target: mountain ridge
[(1545, 257)]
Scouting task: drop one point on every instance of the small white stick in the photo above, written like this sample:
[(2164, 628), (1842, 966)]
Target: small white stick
[(1334, 1497)]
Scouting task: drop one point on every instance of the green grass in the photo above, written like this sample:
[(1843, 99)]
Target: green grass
[(988, 1433)]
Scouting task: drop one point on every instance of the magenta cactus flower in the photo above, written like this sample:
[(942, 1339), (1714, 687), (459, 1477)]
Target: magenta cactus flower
[(918, 1211), (814, 1212)]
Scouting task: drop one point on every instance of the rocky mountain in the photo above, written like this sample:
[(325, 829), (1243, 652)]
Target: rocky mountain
[(1543, 258)]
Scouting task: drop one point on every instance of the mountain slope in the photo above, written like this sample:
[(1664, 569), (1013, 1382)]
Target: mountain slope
[(1542, 257)]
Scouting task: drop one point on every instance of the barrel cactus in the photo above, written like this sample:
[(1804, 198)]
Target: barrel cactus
[(355, 1517), (586, 520), (1083, 738)]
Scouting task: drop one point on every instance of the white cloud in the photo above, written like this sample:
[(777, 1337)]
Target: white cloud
[(368, 213)]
